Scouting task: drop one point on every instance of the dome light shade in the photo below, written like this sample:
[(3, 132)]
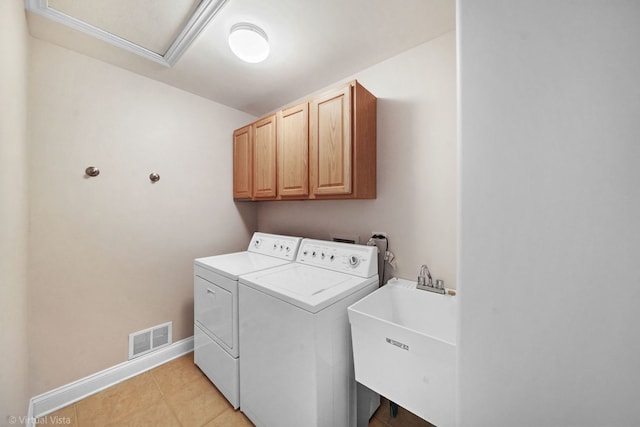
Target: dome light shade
[(249, 42)]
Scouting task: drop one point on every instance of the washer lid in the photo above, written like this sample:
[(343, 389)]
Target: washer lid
[(234, 264), (308, 287)]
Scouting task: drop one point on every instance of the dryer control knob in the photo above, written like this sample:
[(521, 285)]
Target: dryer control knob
[(354, 260)]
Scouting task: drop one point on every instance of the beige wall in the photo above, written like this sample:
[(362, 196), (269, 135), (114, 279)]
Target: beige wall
[(416, 202), (113, 254), (13, 211)]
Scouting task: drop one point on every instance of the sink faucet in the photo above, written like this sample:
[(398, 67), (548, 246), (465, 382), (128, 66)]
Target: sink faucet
[(425, 285), (422, 278)]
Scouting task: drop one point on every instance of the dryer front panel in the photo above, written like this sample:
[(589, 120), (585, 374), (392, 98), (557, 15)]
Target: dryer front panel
[(214, 312)]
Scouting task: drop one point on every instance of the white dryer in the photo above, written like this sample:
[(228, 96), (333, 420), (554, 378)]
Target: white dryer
[(215, 284), (296, 367)]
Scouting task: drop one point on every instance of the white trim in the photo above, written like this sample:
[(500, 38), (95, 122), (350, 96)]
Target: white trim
[(67, 394), (200, 18), (205, 11)]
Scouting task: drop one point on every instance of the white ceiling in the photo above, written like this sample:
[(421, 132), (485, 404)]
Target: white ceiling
[(313, 43), (137, 21)]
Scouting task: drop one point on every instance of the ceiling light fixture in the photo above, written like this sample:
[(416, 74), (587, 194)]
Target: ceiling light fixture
[(249, 42)]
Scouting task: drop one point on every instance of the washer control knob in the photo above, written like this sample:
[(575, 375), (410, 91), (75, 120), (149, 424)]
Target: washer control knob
[(257, 243), (354, 260), (313, 253), (332, 257), (288, 249)]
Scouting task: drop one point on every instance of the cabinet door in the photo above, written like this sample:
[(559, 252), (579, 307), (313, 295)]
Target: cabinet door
[(293, 151), (264, 158), (330, 142), (242, 163)]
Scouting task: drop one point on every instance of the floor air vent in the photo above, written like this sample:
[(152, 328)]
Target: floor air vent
[(148, 340)]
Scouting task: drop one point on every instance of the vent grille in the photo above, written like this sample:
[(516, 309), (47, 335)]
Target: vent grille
[(160, 337), (345, 238), (148, 340)]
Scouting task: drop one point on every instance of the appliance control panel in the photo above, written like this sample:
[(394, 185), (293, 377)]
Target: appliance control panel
[(285, 247), (357, 260)]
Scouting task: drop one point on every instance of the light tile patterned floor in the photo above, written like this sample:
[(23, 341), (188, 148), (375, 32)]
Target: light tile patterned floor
[(176, 394)]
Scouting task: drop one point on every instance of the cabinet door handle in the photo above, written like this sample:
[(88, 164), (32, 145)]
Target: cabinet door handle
[(211, 291)]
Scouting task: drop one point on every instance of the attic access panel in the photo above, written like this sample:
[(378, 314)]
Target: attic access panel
[(159, 30)]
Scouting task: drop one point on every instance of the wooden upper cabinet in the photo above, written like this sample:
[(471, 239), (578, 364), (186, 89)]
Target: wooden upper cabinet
[(330, 142), (342, 143), (264, 158), (321, 149), (293, 152), (242, 163)]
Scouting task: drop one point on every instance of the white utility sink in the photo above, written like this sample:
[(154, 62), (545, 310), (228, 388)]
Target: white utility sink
[(404, 348)]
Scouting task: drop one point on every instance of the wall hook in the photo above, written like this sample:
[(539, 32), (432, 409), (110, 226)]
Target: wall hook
[(92, 171), (154, 177)]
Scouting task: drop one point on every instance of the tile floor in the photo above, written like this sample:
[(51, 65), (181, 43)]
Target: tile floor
[(176, 394)]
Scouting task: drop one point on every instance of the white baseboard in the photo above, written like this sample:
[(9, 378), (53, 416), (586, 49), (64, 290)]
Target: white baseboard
[(67, 394)]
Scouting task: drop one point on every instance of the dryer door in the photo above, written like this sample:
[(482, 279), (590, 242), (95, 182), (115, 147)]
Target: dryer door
[(214, 311)]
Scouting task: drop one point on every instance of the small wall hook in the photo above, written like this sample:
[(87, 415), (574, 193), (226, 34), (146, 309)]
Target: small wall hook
[(154, 177), (92, 171)]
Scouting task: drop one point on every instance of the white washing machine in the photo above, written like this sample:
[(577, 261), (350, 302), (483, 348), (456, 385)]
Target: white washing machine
[(216, 342), (296, 367)]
